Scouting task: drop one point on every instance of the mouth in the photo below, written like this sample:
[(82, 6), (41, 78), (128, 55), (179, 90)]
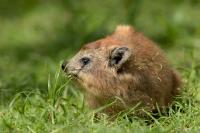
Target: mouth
[(75, 77), (73, 73)]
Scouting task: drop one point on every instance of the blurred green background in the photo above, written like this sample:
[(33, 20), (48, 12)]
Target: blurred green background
[(36, 35)]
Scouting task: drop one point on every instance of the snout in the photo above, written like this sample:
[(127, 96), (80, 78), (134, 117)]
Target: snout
[(64, 66), (69, 69)]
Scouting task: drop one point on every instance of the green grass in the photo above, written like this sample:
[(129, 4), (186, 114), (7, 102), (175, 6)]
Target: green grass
[(36, 36)]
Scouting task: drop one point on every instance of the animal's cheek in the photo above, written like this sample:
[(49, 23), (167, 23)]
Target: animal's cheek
[(81, 77), (89, 83), (85, 77)]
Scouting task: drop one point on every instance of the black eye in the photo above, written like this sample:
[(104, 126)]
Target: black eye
[(85, 60)]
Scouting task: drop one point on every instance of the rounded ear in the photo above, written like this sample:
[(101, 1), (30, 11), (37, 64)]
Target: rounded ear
[(119, 56)]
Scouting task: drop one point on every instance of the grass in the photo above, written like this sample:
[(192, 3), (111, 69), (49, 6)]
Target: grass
[(37, 97)]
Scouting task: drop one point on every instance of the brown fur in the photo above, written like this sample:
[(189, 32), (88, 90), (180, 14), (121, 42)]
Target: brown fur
[(146, 77)]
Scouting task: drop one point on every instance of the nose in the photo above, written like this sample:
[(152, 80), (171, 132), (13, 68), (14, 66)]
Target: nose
[(64, 65)]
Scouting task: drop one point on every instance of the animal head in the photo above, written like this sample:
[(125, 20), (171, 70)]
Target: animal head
[(102, 65)]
